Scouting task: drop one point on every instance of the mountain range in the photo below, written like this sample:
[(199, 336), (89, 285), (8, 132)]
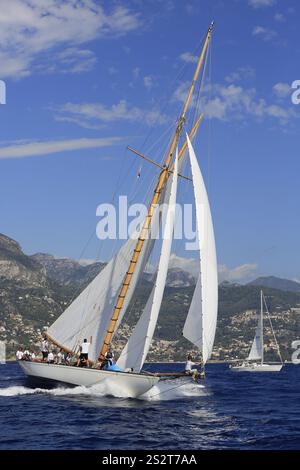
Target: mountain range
[(34, 290)]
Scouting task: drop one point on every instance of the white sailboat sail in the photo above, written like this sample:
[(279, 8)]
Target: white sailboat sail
[(200, 325), (137, 347), (90, 313), (257, 348)]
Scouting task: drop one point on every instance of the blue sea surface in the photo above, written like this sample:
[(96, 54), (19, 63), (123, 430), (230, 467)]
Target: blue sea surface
[(232, 411)]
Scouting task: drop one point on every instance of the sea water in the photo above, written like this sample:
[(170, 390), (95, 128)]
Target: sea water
[(230, 411)]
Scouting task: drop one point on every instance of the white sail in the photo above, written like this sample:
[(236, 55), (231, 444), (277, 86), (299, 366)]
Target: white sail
[(256, 352), (137, 347), (200, 325), (90, 313), (256, 349)]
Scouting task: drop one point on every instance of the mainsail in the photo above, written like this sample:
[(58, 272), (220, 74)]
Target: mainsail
[(200, 325), (90, 313), (137, 347), (257, 349)]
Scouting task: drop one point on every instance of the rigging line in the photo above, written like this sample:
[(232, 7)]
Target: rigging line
[(154, 175), (204, 336), (99, 251), (205, 274), (201, 86), (131, 310), (160, 138), (272, 329), (79, 290), (209, 143), (166, 100), (195, 112), (133, 304)]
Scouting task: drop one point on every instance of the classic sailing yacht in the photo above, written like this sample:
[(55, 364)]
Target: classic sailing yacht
[(98, 311), (255, 360)]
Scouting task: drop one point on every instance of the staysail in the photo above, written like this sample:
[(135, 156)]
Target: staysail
[(200, 325), (137, 347), (257, 348)]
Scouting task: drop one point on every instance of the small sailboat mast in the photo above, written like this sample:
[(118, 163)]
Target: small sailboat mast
[(262, 326), (162, 179), (255, 360)]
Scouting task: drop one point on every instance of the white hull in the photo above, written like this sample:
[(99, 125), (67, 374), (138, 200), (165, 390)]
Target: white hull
[(257, 368), (114, 383)]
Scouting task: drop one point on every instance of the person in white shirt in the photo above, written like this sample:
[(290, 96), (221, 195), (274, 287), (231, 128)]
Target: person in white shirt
[(189, 368), (50, 358), (19, 354), (31, 356), (26, 355), (44, 349), (83, 359), (68, 359), (60, 357)]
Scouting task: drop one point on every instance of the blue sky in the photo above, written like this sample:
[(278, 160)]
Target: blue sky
[(85, 78)]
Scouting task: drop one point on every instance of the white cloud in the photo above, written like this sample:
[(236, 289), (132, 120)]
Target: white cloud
[(88, 261), (148, 82), (189, 58), (189, 265), (266, 34), (282, 90), (280, 18), (192, 9), (70, 60), (136, 73), (233, 102), (30, 149), (242, 273), (180, 93), (112, 70), (241, 73), (93, 115), (261, 3), (30, 28)]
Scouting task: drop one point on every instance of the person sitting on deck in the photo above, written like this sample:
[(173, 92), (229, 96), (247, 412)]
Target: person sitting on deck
[(83, 360), (68, 359), (111, 365), (19, 354), (108, 356), (26, 355), (189, 368), (50, 358), (31, 355), (60, 358)]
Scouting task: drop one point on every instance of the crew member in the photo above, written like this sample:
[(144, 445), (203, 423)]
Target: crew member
[(44, 349), (83, 359), (189, 367)]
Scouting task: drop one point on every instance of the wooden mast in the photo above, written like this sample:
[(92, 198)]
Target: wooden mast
[(162, 179)]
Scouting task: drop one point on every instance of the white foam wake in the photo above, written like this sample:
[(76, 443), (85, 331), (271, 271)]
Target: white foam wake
[(96, 390), (164, 390), (174, 390)]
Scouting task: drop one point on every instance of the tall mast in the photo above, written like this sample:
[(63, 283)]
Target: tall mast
[(262, 326), (162, 179)]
